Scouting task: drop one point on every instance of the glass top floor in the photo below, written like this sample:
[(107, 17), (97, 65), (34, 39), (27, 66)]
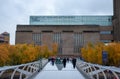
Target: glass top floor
[(71, 20)]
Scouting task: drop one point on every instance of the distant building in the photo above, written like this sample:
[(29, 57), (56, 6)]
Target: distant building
[(70, 32), (1, 38), (4, 37), (116, 20)]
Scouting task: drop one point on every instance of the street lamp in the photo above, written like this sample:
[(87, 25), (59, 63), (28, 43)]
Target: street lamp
[(40, 64)]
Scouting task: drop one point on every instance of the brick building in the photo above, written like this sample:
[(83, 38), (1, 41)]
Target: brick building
[(4, 38), (70, 32)]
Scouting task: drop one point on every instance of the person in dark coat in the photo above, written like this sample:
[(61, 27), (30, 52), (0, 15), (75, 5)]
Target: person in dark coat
[(67, 59), (64, 62), (52, 60), (74, 62)]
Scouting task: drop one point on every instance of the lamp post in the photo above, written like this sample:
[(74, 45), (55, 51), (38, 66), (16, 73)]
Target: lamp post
[(40, 64)]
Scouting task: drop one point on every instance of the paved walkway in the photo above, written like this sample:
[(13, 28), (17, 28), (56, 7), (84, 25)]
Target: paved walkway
[(52, 72)]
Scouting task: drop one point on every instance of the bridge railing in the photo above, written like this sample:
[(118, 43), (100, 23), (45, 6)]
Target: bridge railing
[(95, 71), (22, 71)]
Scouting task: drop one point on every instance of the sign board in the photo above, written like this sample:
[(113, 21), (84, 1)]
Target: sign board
[(104, 57)]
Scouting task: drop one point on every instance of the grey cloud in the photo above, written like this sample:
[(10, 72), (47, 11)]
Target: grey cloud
[(84, 6), (15, 12)]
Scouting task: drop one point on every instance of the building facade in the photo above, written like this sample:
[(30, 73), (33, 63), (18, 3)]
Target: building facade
[(70, 32), (116, 20)]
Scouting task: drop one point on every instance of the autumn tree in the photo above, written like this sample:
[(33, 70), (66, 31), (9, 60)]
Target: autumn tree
[(4, 55), (24, 53), (93, 53), (54, 49)]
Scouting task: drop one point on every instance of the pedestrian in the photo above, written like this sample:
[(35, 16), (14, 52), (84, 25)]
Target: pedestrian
[(52, 60), (74, 62), (67, 59), (64, 62)]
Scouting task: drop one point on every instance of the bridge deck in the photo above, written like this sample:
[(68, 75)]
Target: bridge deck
[(52, 72)]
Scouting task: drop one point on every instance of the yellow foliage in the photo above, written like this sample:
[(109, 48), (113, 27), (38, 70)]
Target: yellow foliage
[(114, 53), (55, 49), (93, 53), (23, 53), (4, 55)]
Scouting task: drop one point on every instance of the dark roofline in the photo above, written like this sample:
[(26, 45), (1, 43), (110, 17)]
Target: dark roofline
[(55, 25)]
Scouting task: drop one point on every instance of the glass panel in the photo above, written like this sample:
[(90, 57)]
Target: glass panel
[(71, 20)]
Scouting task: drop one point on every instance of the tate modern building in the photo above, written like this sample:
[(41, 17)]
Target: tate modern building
[(70, 32)]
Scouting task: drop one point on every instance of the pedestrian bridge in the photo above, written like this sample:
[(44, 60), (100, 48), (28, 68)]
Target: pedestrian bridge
[(59, 72), (45, 70)]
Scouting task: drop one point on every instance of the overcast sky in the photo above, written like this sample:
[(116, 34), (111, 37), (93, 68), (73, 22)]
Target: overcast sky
[(13, 12)]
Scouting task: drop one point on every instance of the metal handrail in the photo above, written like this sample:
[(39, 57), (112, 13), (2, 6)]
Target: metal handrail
[(93, 70), (24, 69)]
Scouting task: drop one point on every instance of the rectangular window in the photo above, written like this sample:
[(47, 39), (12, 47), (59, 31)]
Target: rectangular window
[(57, 39), (106, 41), (36, 37), (78, 42), (105, 32)]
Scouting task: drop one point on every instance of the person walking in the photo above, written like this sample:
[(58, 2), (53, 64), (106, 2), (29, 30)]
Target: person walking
[(64, 62), (67, 59), (52, 60), (74, 62)]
